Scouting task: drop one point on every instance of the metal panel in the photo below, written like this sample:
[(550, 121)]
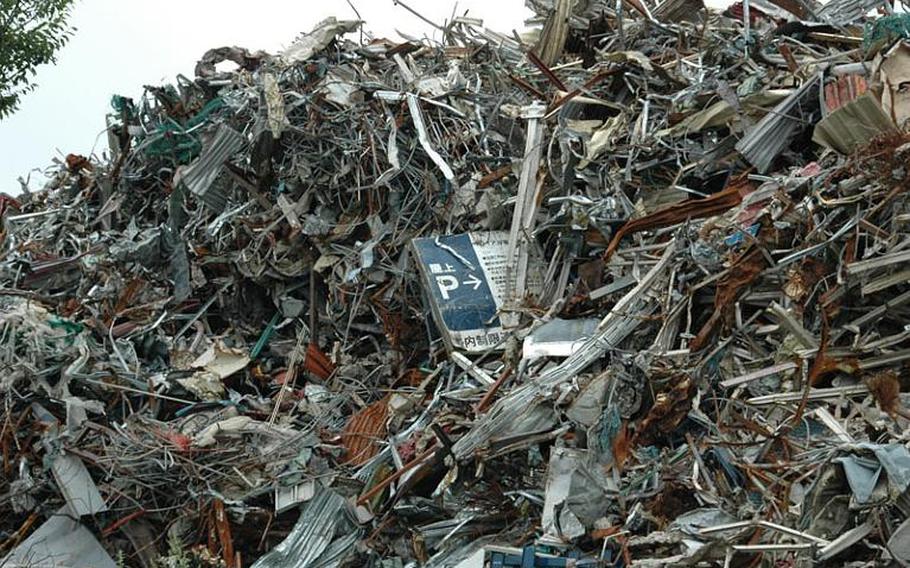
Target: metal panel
[(200, 176)]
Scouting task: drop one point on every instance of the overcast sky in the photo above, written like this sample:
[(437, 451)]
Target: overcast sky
[(121, 45)]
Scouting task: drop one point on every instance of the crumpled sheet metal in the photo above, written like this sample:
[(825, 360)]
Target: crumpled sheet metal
[(614, 327), (205, 67), (863, 474), (227, 334), (316, 40), (60, 541)]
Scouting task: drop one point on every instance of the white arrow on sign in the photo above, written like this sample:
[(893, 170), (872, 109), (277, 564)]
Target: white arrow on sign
[(473, 280)]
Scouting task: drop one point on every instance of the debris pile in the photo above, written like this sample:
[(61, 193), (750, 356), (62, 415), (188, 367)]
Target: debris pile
[(628, 289)]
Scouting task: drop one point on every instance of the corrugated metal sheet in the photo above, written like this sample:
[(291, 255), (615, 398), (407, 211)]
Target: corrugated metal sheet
[(323, 536), (363, 430), (767, 139), (199, 176), (852, 125), (845, 12), (843, 90)]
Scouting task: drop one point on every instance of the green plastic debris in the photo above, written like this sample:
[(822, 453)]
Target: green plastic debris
[(120, 104), (609, 428), (264, 338), (885, 31), (71, 328), (179, 141)]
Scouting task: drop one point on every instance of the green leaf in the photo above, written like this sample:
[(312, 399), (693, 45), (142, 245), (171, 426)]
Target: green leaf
[(31, 34)]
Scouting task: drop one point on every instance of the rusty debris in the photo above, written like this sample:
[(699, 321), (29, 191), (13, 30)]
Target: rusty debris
[(629, 288)]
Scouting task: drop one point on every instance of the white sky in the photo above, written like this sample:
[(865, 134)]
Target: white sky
[(121, 45)]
